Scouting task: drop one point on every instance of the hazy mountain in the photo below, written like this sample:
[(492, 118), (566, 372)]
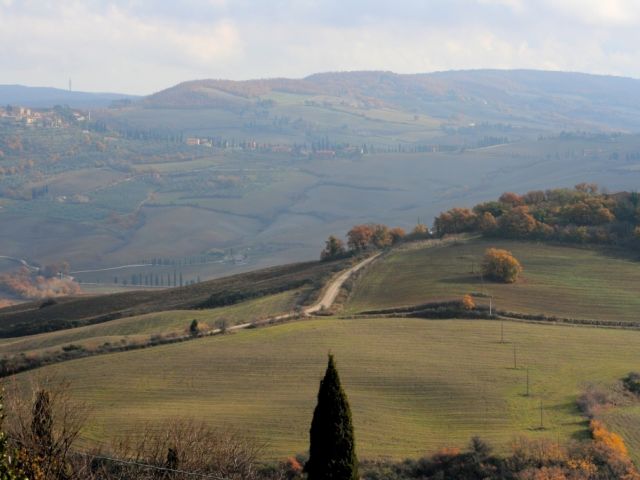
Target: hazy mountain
[(553, 99), (44, 97)]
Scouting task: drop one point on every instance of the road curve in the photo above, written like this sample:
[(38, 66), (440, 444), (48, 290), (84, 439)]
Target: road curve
[(325, 302), (333, 288)]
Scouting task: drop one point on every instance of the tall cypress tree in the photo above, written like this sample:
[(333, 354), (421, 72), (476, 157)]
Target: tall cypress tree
[(332, 450)]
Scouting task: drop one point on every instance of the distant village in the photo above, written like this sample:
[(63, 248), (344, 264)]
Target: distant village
[(58, 117)]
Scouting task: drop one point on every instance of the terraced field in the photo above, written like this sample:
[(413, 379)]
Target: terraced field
[(414, 385), (564, 281)]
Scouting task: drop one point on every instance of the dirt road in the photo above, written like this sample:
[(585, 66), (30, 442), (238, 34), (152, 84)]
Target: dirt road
[(326, 300)]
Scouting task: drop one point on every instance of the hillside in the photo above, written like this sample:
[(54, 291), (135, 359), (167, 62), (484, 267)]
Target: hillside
[(414, 385), (548, 99), (69, 312), (558, 280), (46, 97), (262, 171), (425, 383)]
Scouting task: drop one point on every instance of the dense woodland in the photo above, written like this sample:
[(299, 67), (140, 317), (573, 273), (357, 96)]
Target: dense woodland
[(579, 215)]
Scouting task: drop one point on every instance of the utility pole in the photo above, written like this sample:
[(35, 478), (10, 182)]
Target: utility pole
[(490, 306)]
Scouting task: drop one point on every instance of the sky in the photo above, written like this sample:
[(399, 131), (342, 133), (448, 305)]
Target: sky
[(143, 46)]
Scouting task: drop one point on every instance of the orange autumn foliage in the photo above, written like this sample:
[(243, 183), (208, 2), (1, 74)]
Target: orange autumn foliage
[(511, 198), (468, 303), (609, 439), (23, 284), (501, 265), (359, 237), (456, 220)]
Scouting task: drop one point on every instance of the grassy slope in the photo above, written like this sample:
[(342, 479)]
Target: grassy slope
[(142, 326), (625, 421), (557, 280), (414, 385), (86, 310)]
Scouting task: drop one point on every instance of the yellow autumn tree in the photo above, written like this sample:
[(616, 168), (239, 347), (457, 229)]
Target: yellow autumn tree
[(468, 303), (501, 266)]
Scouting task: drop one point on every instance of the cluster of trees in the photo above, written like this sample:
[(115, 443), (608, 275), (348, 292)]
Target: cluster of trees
[(579, 215), (27, 285), (370, 236)]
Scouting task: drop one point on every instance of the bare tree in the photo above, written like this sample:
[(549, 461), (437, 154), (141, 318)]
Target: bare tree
[(44, 423), (182, 448)]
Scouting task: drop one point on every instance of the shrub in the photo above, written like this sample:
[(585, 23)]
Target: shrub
[(500, 265), (632, 382), (468, 303), (334, 248), (194, 328), (592, 400)]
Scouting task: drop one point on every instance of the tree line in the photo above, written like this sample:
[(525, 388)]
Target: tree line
[(583, 214), (370, 236)]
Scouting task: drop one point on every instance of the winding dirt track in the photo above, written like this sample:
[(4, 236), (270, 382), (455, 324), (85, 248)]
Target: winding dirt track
[(326, 300), (333, 288)]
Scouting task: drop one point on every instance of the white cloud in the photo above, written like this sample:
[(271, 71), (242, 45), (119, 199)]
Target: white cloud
[(515, 5), (601, 13), (110, 50), (143, 46)]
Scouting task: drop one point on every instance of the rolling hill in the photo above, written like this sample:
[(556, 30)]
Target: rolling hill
[(283, 163), (550, 100), (70, 312), (415, 385), (47, 97), (575, 282)]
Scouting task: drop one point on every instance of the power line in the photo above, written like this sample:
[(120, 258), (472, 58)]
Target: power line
[(154, 467)]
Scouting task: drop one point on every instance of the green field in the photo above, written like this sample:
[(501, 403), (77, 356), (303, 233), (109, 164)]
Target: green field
[(139, 328), (564, 281), (304, 278), (414, 385)]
